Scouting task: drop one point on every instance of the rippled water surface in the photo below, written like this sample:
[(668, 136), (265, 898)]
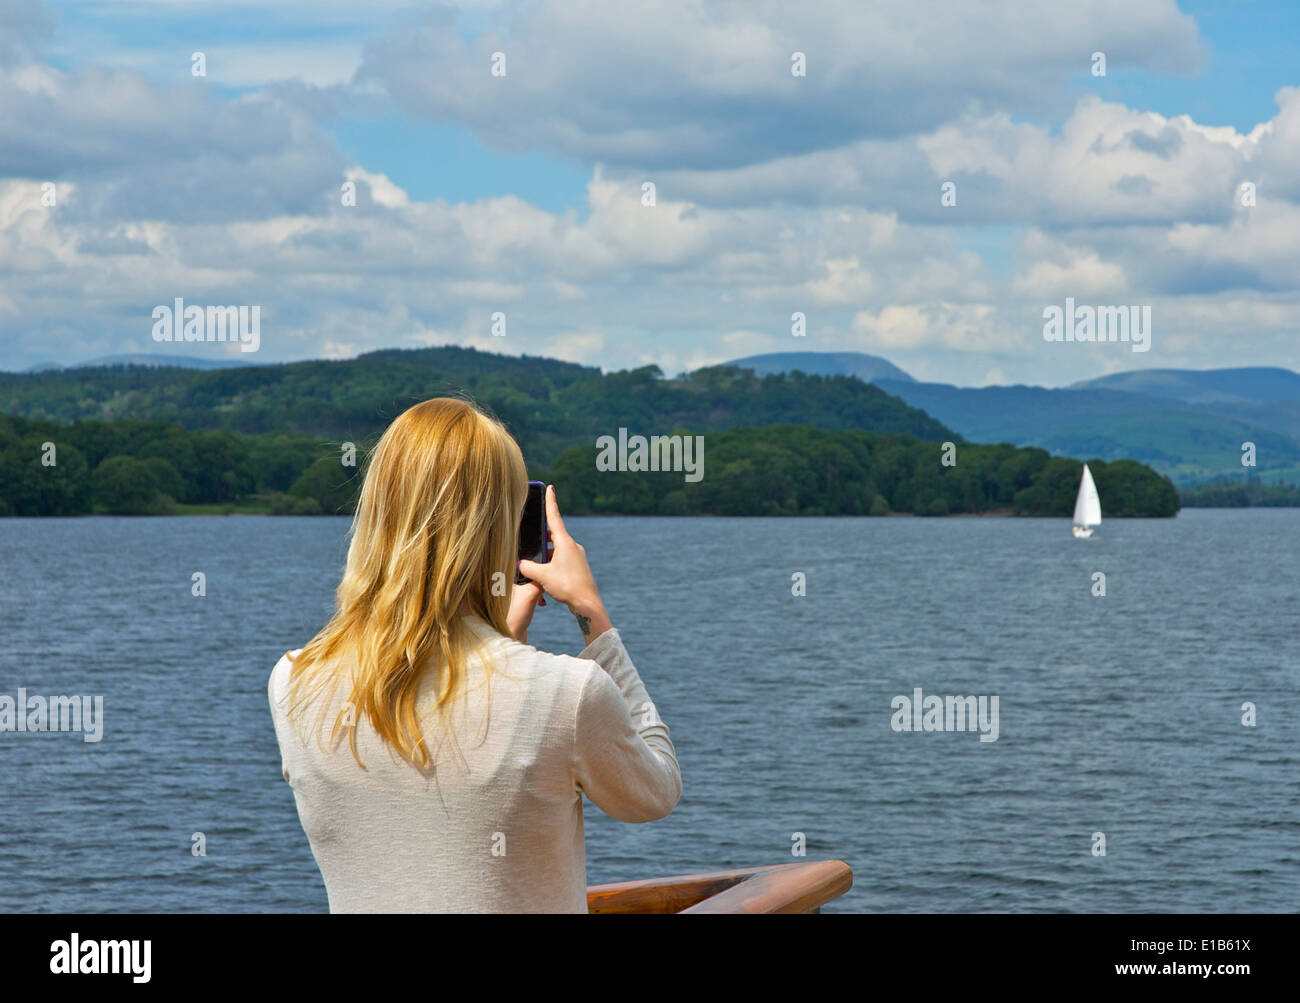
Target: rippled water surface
[(1120, 715)]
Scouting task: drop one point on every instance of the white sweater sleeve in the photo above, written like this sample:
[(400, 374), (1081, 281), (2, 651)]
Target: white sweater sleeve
[(623, 759)]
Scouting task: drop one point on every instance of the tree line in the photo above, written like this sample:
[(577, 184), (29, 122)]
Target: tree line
[(1248, 493), (130, 467), (801, 471), (134, 467)]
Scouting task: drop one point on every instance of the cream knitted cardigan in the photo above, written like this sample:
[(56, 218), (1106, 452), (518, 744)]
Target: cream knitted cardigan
[(499, 830)]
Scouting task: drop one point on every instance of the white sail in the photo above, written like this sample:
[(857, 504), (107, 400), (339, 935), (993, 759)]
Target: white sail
[(1087, 507)]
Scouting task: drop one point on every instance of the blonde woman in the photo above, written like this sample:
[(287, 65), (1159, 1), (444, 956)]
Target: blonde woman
[(437, 760)]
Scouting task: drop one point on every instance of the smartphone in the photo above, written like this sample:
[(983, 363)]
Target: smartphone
[(532, 529)]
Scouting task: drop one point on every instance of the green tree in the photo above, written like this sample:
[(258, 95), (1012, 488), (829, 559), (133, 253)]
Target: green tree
[(165, 477), (29, 486), (333, 486), (124, 485)]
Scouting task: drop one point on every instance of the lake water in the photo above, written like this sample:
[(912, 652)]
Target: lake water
[(1119, 714)]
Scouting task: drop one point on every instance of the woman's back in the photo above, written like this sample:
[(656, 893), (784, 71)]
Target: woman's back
[(497, 826)]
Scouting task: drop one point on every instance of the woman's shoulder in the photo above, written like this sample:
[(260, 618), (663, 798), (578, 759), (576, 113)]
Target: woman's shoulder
[(522, 657), (567, 669), (279, 678)]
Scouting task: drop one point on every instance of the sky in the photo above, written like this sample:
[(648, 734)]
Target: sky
[(501, 200)]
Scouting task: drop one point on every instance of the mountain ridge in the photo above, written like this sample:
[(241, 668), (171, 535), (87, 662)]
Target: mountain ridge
[(823, 364), (144, 359), (1189, 424)]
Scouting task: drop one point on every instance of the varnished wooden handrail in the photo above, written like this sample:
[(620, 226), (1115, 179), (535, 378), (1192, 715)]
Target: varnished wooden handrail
[(664, 895), (777, 888), (794, 888)]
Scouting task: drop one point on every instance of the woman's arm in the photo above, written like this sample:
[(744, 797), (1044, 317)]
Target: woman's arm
[(623, 759)]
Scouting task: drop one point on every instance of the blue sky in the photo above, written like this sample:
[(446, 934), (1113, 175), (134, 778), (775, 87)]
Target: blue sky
[(775, 194)]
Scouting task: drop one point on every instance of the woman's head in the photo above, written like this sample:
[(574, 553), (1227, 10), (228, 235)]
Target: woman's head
[(434, 538), (438, 517)]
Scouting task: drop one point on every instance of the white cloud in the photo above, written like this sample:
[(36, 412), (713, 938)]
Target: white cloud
[(141, 151), (967, 327), (676, 83), (1082, 275), (382, 190), (321, 64), (585, 347), (846, 282), (486, 291), (1107, 165)]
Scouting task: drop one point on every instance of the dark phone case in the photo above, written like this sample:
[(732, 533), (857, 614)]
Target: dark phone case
[(520, 579)]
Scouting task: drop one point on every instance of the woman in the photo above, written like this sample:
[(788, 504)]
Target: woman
[(459, 788)]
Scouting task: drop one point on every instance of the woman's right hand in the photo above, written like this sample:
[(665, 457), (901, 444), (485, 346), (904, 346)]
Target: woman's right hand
[(567, 577)]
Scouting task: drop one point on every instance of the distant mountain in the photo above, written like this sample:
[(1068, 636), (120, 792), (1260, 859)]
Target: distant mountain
[(1188, 442), (146, 359), (1189, 424), (867, 368), (1252, 385)]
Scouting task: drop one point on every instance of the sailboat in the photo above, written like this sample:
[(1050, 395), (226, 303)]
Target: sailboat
[(1087, 507)]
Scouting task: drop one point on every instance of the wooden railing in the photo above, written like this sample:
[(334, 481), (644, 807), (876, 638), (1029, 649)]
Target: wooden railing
[(780, 888)]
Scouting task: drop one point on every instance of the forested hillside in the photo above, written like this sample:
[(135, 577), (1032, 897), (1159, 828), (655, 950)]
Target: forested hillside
[(143, 468), (807, 471), (134, 440), (548, 405)]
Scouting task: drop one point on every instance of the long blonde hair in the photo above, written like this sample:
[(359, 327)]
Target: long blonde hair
[(434, 536)]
